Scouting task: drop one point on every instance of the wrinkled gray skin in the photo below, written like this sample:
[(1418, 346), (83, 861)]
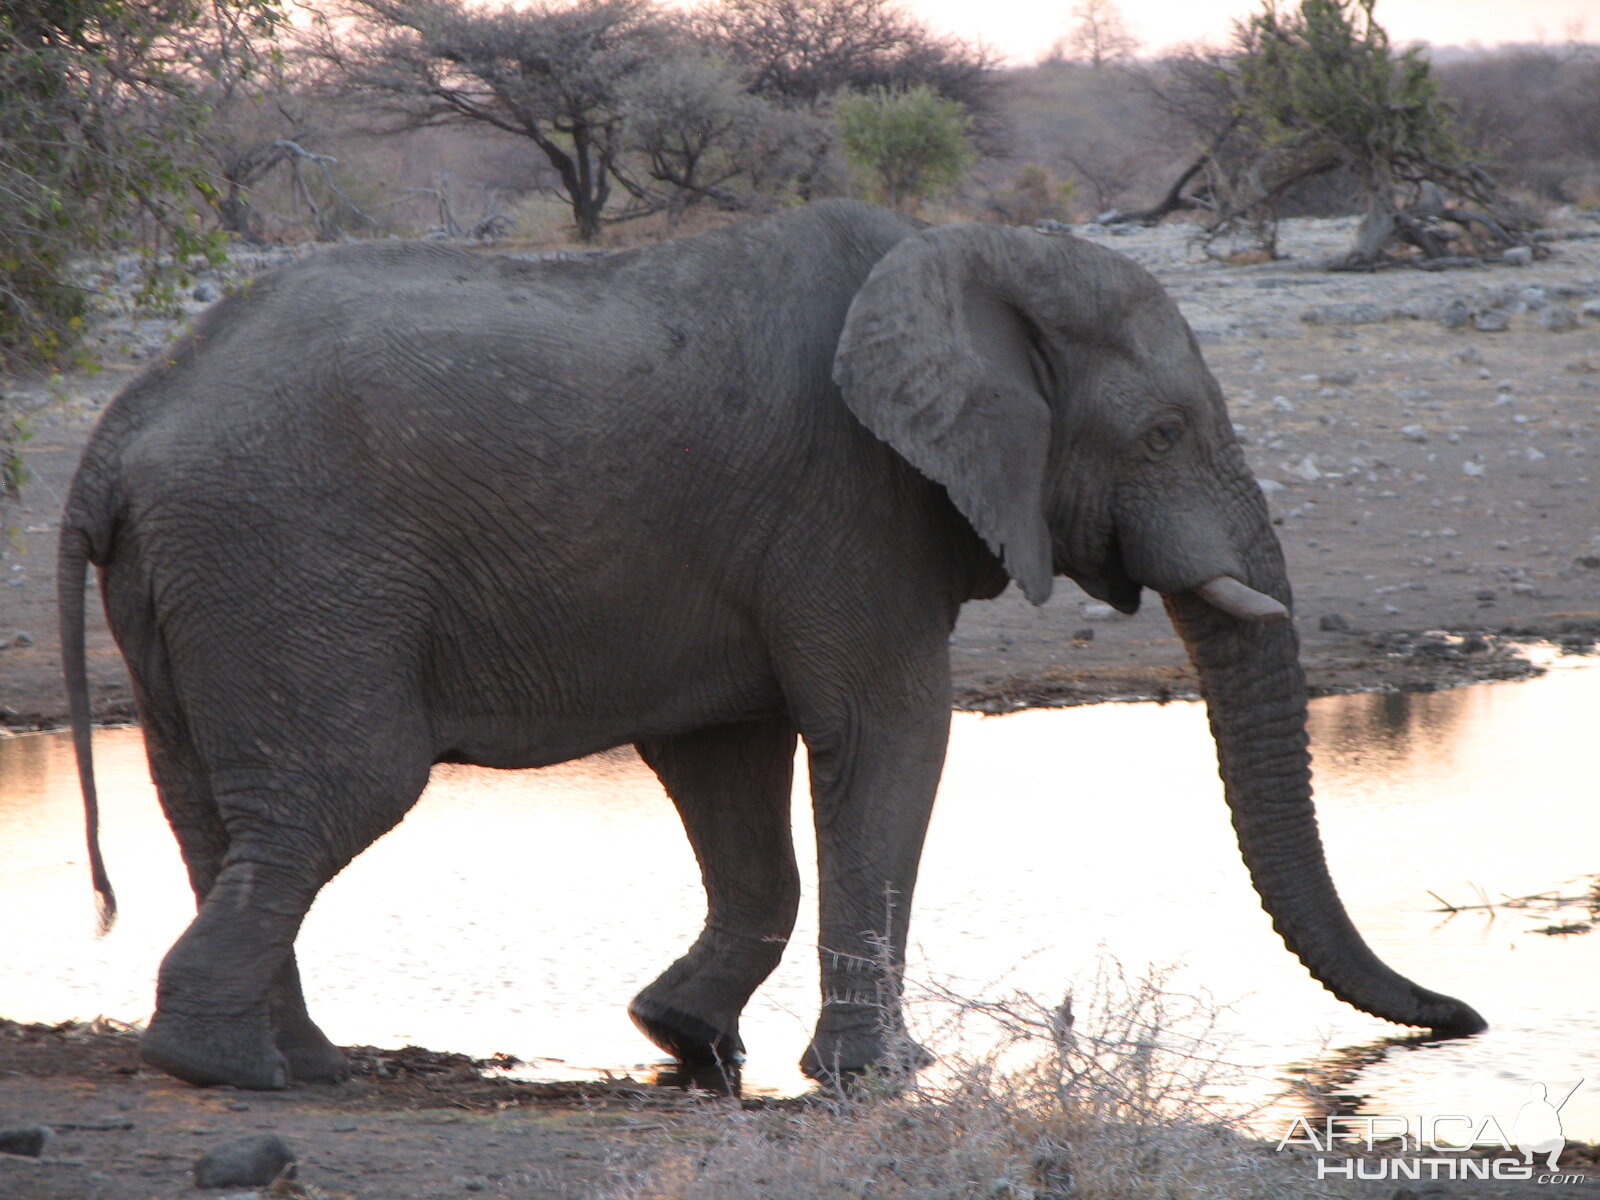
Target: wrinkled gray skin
[(399, 505)]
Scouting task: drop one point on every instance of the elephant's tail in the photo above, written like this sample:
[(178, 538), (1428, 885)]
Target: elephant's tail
[(72, 562)]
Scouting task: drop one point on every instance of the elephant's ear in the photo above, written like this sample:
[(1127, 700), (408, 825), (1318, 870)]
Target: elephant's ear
[(936, 359)]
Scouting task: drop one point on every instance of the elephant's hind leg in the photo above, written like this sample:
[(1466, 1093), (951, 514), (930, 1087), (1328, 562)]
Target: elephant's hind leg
[(312, 1058), (228, 1006), (203, 841), (731, 786)]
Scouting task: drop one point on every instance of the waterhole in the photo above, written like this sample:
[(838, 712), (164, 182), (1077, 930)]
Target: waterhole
[(519, 911)]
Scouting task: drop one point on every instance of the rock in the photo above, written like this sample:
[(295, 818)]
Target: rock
[(1518, 256), (1346, 314), (1474, 469), (1282, 404), (1098, 612), (1083, 635), (1485, 595), (247, 1162), (1306, 469), (206, 293), (1269, 487), (1414, 433), (1558, 319), (1589, 562), (27, 1140), (1471, 356), (1456, 315), (1491, 320), (1334, 623), (1590, 308)]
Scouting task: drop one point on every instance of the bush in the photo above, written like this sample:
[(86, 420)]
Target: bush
[(911, 144), (96, 110), (1107, 1096)]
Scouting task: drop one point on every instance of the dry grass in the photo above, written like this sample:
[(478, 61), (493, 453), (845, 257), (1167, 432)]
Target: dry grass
[(1108, 1096)]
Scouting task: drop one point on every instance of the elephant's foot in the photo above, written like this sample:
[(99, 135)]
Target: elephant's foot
[(692, 1040), (236, 1050), (845, 1060), (312, 1058)]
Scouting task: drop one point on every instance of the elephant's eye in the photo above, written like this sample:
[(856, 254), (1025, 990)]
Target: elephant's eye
[(1164, 436)]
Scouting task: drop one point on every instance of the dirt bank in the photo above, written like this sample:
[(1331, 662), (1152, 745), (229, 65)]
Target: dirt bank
[(411, 1125)]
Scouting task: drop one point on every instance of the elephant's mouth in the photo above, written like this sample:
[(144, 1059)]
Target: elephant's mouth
[(1111, 582)]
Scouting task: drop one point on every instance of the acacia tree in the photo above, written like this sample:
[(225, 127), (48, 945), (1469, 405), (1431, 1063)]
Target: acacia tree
[(1098, 35), (694, 131), (1320, 89), (557, 74), (798, 53)]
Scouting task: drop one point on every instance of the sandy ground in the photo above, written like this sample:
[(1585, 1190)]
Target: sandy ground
[(1425, 478)]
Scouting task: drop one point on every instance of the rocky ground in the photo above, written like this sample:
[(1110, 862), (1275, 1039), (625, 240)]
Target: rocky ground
[(1429, 446)]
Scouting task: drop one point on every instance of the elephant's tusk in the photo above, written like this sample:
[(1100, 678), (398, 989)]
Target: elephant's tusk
[(1239, 600)]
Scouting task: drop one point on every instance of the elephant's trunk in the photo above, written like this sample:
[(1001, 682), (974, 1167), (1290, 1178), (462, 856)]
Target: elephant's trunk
[(1255, 693)]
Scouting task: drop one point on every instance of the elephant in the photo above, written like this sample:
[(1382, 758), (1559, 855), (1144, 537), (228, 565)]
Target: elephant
[(400, 504)]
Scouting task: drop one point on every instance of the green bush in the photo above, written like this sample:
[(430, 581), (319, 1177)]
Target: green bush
[(910, 144)]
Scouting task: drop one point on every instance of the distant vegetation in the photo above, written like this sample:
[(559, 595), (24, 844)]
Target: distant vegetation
[(168, 128)]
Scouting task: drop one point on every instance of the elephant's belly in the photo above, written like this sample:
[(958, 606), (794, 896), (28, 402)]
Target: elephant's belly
[(540, 727)]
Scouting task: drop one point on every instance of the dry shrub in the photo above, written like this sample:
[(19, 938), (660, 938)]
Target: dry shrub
[(1034, 194), (1107, 1096)]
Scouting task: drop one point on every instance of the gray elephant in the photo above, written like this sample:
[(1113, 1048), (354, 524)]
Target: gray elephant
[(399, 505)]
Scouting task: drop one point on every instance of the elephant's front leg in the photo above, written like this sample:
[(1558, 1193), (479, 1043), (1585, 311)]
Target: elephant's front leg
[(873, 779), (731, 785)]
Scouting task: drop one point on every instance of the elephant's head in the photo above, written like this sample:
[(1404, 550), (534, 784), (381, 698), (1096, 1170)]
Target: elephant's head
[(1054, 390)]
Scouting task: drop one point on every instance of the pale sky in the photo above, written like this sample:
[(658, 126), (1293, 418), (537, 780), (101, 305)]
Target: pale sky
[(1023, 29)]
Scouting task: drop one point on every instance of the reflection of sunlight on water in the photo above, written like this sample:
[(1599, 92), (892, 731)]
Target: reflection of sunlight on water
[(519, 911)]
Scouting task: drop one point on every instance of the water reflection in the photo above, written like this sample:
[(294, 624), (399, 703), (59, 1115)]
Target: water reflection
[(519, 911)]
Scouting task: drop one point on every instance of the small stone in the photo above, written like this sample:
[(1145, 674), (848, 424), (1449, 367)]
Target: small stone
[(1518, 256), (1491, 320), (1282, 404), (1456, 315), (1083, 635), (1339, 378), (1414, 433), (27, 1140), (1306, 469), (1485, 595), (1334, 623), (1589, 562), (1558, 319), (206, 293), (1590, 308), (1473, 469), (1098, 612), (247, 1162), (1346, 314), (1471, 356), (1269, 487)]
